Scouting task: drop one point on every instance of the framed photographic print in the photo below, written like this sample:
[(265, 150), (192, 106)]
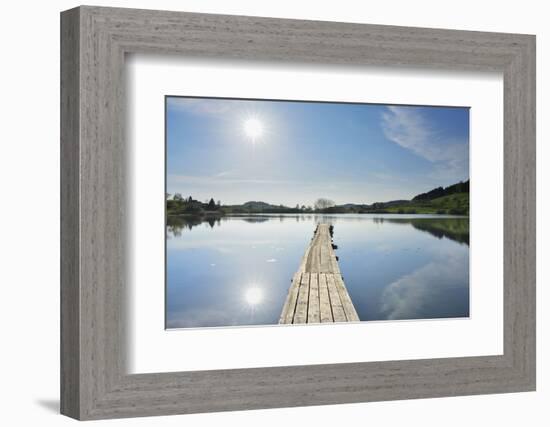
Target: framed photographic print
[(261, 213), (252, 224)]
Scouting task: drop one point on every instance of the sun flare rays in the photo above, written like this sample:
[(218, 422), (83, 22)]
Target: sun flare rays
[(253, 128)]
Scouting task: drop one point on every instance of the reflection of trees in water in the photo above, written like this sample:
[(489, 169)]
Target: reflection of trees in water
[(269, 217), (254, 219), (175, 224), (457, 229)]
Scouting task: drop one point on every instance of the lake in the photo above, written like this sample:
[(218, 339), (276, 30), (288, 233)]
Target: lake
[(236, 270)]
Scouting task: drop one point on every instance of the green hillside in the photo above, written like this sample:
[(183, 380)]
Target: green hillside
[(459, 187), (454, 204)]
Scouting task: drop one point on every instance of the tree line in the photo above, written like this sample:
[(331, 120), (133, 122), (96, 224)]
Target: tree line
[(460, 187), (453, 199), (178, 205)]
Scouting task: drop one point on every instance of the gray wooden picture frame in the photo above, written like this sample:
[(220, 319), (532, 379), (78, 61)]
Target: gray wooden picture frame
[(94, 41)]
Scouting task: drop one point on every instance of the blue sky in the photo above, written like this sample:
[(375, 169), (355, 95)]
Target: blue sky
[(350, 153)]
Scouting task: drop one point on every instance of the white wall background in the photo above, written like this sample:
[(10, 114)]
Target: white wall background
[(29, 224)]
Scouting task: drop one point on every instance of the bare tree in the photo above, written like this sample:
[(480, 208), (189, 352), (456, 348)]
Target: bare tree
[(323, 204)]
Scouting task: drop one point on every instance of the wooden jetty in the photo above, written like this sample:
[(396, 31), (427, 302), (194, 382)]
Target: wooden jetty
[(318, 293)]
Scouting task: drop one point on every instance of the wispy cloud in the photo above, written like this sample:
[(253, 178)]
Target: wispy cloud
[(407, 127)]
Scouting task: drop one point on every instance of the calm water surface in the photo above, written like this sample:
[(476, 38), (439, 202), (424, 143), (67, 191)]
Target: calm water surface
[(237, 270)]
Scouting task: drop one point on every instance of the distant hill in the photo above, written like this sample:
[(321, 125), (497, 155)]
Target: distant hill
[(258, 205), (254, 207), (364, 206), (453, 200)]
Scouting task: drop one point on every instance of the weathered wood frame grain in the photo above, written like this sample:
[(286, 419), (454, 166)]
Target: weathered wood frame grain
[(94, 41)]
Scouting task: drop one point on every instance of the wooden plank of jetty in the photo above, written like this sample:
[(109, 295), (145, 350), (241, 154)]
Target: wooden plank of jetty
[(318, 293), (313, 315), (335, 302), (324, 300), (300, 314)]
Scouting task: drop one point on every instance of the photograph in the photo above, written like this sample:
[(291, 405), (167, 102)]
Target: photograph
[(293, 212)]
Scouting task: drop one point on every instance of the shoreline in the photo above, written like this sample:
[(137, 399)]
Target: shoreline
[(231, 214)]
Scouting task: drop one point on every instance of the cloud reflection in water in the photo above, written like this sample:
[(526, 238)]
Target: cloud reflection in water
[(418, 294)]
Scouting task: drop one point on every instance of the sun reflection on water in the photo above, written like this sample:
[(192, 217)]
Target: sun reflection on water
[(253, 296)]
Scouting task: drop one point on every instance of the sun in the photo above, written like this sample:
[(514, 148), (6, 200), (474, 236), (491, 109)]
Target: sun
[(253, 128), (253, 296)]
